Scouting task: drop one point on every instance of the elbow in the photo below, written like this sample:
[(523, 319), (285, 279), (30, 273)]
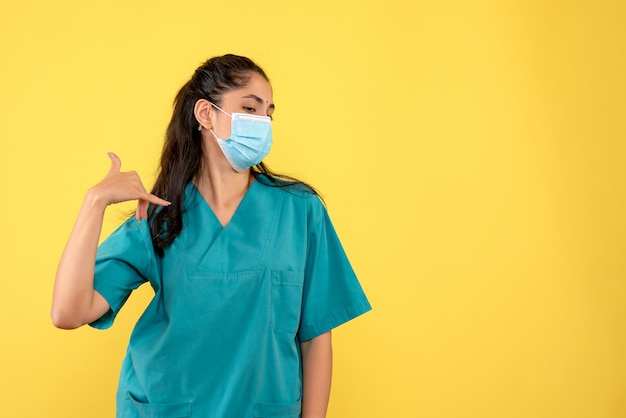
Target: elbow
[(62, 320)]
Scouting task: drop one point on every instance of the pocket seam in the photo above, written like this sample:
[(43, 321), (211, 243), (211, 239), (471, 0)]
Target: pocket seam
[(270, 410), (284, 280), (238, 275), (158, 410)]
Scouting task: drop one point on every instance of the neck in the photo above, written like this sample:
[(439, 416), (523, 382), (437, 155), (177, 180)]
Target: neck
[(223, 191), (220, 185)]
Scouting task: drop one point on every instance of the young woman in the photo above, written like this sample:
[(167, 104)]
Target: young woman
[(248, 273)]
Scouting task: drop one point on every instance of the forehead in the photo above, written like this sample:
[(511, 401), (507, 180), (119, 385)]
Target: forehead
[(256, 86)]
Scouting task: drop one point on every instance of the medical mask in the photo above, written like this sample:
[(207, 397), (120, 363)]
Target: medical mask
[(250, 139)]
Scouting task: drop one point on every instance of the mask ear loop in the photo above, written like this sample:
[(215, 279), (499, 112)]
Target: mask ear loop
[(223, 111), (217, 138), (220, 109)]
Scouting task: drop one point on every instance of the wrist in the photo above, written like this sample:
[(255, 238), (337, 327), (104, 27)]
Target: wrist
[(93, 200)]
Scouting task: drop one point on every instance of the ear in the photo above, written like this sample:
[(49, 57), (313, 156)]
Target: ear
[(202, 112)]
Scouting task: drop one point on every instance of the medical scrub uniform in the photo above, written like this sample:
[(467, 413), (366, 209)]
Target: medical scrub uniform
[(221, 338)]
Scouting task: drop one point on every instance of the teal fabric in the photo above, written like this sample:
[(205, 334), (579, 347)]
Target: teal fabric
[(221, 338)]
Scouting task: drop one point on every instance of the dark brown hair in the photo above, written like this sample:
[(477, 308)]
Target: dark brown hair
[(181, 159)]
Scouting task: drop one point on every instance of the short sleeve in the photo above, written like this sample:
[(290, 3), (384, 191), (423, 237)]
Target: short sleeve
[(332, 294), (124, 261)]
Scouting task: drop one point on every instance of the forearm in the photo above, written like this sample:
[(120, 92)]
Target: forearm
[(317, 375), (73, 287), (75, 302)]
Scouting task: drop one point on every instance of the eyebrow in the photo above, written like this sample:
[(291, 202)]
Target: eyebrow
[(258, 100)]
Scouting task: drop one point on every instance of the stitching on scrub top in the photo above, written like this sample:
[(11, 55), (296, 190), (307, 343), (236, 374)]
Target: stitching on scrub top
[(270, 237)]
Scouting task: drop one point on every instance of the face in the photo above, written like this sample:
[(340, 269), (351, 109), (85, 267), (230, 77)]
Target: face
[(255, 98)]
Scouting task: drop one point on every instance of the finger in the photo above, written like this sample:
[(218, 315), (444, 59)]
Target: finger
[(142, 209), (137, 211), (145, 210), (116, 163), (148, 197)]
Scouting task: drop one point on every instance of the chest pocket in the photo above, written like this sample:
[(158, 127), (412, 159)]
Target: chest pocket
[(286, 301)]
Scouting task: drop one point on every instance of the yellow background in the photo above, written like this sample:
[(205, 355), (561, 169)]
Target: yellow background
[(471, 153)]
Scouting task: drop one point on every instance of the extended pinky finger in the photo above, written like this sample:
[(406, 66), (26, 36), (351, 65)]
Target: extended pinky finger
[(142, 210), (138, 211)]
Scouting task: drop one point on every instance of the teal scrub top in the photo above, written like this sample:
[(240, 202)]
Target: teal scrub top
[(221, 337)]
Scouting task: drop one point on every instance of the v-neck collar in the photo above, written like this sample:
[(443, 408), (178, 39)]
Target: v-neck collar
[(208, 247), (202, 201)]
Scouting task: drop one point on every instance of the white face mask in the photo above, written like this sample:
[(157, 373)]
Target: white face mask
[(250, 139)]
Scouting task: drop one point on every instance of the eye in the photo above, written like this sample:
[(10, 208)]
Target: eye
[(249, 109)]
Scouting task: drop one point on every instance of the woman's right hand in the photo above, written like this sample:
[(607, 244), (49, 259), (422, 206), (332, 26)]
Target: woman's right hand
[(120, 186), (74, 300)]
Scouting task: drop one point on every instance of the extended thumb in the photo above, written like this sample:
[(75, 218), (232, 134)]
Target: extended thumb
[(116, 164)]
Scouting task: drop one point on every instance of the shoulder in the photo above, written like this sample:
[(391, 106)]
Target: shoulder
[(130, 233), (132, 226), (297, 196), (281, 183), (295, 189)]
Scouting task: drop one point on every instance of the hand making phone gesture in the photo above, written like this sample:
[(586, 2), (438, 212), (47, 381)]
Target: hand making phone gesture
[(75, 302), (120, 186)]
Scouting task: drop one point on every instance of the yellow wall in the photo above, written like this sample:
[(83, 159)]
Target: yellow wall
[(472, 155)]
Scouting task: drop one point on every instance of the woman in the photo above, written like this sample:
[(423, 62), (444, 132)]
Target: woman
[(248, 273)]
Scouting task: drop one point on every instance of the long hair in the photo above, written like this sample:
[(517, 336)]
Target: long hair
[(182, 155)]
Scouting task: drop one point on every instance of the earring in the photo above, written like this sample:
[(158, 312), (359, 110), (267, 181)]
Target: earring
[(199, 127)]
